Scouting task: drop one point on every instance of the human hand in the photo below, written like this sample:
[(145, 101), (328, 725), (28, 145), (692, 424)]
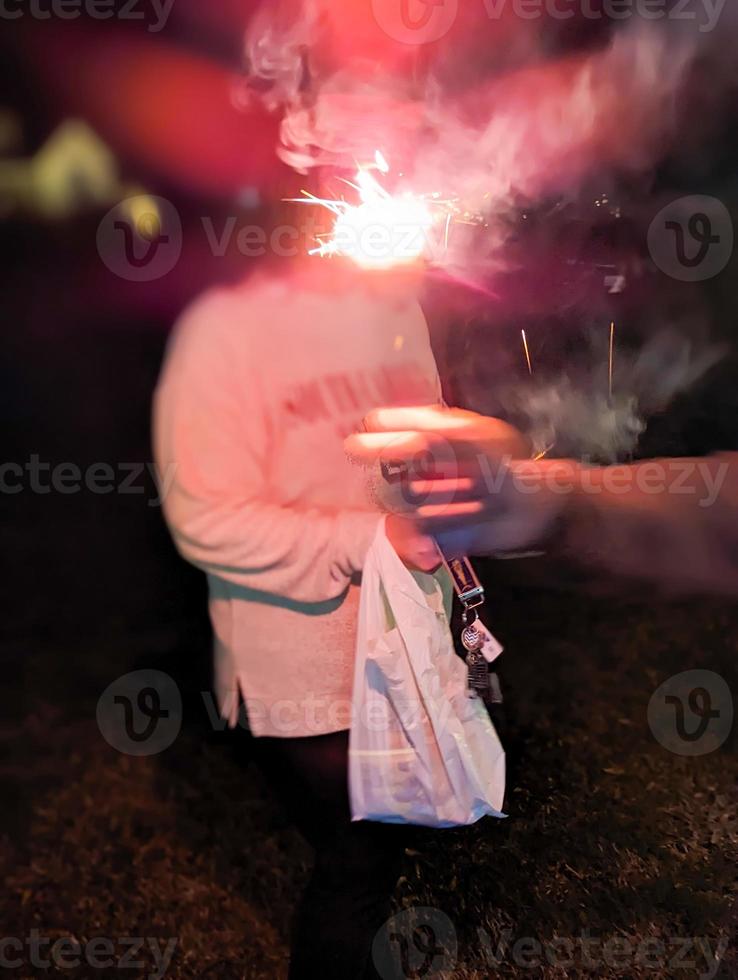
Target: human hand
[(518, 508), (440, 449), (464, 478), (415, 549)]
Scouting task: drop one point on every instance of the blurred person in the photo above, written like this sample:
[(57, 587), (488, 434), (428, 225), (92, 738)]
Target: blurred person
[(261, 384), (671, 522)]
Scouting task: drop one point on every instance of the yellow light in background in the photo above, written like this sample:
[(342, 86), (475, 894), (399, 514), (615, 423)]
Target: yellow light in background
[(142, 212), (73, 172)]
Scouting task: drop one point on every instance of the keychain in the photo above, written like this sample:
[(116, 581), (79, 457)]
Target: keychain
[(474, 634), (481, 647)]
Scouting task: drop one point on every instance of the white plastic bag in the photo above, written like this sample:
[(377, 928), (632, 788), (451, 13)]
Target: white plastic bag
[(421, 750)]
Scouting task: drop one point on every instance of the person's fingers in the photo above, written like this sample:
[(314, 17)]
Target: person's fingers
[(467, 432), (461, 488), (371, 447), (432, 517), (443, 494), (418, 418), (409, 455), (422, 452), (418, 451)]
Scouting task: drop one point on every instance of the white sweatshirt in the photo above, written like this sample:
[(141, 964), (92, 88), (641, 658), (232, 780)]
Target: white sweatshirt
[(260, 386)]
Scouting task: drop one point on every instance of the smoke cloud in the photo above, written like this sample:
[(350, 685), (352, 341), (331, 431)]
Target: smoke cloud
[(537, 129), (497, 129), (574, 414)]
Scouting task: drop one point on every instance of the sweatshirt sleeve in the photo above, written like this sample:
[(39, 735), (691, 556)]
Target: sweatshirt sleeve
[(669, 522), (212, 442)]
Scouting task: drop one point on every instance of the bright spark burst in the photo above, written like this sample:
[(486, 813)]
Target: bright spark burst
[(381, 231)]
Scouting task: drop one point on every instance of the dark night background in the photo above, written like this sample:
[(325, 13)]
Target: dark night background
[(608, 832)]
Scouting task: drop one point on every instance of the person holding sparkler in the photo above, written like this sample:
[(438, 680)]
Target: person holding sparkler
[(263, 383), (260, 386)]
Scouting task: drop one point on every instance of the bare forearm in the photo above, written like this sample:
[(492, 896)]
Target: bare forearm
[(671, 522)]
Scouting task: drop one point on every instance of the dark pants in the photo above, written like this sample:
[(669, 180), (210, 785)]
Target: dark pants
[(357, 865)]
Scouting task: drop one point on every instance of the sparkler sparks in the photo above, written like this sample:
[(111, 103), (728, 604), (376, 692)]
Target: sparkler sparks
[(384, 229), (527, 353)]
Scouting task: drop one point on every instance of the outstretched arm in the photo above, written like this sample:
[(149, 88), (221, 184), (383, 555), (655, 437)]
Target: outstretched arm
[(671, 522)]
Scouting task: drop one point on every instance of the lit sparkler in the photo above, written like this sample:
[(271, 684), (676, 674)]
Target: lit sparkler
[(612, 355), (383, 229)]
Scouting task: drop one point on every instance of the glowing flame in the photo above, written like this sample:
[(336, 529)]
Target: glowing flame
[(382, 230)]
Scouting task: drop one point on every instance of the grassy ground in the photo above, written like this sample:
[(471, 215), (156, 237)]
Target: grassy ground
[(608, 835)]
